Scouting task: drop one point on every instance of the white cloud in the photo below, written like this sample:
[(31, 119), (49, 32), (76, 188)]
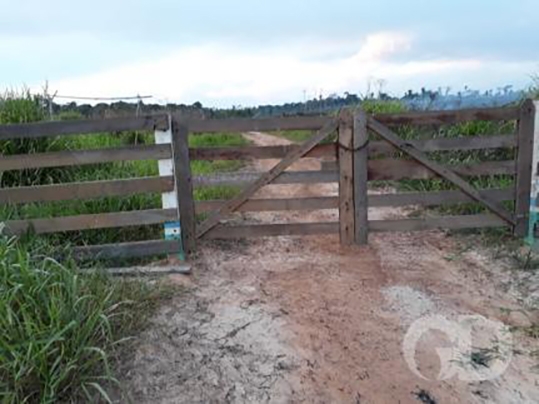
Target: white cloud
[(218, 74)]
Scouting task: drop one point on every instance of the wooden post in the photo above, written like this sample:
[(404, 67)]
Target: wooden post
[(346, 179), (169, 199), (525, 168), (183, 185), (360, 179)]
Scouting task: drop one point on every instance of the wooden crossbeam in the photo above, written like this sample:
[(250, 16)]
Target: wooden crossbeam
[(265, 179), (439, 169)]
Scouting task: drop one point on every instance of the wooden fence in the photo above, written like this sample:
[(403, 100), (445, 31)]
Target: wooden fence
[(358, 158)]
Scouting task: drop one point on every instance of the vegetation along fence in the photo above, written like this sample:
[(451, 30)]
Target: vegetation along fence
[(476, 164)]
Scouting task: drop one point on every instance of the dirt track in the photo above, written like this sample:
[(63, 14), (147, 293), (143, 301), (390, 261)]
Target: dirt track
[(303, 320)]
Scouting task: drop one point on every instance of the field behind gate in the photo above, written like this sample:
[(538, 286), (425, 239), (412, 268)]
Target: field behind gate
[(485, 146)]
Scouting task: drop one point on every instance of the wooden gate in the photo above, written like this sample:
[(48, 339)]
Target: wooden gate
[(417, 164)]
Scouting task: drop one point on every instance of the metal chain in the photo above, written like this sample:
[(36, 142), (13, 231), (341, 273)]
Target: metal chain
[(353, 149)]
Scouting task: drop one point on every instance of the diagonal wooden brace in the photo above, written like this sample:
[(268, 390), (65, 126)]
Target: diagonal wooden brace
[(265, 179)]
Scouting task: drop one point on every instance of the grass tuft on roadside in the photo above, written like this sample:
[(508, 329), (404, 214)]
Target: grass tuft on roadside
[(60, 328)]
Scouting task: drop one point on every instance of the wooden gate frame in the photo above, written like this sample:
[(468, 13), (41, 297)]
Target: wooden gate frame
[(266, 178), (352, 151)]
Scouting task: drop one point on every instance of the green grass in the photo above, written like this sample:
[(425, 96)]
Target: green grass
[(60, 330), (296, 136)]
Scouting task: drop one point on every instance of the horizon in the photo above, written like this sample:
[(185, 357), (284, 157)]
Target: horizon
[(225, 55)]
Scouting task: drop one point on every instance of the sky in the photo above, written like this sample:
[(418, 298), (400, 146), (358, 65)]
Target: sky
[(247, 53)]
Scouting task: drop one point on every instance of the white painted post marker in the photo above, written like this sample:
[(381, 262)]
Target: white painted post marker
[(169, 199)]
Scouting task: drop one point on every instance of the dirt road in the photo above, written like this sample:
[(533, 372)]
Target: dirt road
[(302, 320)]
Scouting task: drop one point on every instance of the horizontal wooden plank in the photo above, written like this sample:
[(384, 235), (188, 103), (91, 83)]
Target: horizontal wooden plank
[(243, 178), (145, 270), (375, 200), (437, 198), (95, 221), (86, 190), (268, 205), (271, 230), (60, 128), (445, 222), (379, 170), (449, 117), (449, 144), (82, 157), (258, 152), (263, 124), (384, 169), (394, 169), (375, 148), (316, 122), (127, 250)]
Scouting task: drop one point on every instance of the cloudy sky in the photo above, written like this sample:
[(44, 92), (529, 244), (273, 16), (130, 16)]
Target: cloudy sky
[(234, 52)]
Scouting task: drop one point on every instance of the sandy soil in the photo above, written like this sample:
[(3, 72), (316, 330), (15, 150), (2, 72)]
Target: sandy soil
[(303, 320)]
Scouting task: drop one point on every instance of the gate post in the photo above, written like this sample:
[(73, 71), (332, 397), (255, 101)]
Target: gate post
[(360, 179), (346, 179), (183, 185), (527, 185), (169, 200)]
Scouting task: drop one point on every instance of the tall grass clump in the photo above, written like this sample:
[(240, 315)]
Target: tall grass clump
[(60, 329)]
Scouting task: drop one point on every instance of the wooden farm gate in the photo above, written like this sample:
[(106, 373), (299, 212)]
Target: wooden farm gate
[(366, 148)]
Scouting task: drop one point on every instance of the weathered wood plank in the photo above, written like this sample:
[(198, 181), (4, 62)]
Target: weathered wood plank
[(445, 222), (262, 125), (442, 171), (266, 178), (85, 190), (245, 178), (394, 169), (82, 157), (449, 144), (384, 169), (44, 129), (258, 152), (269, 205), (133, 249), (526, 128), (183, 269), (272, 230), (437, 198), (346, 180), (184, 185), (376, 148), (449, 117), (361, 178), (93, 221), (316, 122), (375, 200)]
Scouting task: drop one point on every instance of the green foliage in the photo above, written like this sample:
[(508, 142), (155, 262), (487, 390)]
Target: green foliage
[(59, 328), (373, 106), (69, 116), (20, 108), (296, 136), (202, 167), (217, 140)]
